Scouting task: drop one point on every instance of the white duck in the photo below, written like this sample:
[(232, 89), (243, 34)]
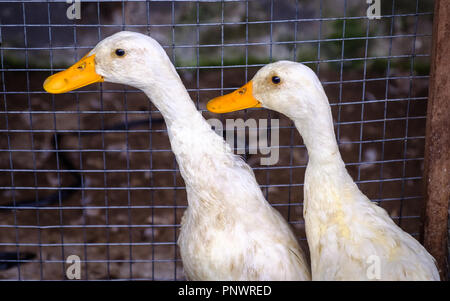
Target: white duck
[(349, 237), (229, 231)]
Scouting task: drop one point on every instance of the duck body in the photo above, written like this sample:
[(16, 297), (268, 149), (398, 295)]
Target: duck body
[(229, 231), (349, 237), (222, 248)]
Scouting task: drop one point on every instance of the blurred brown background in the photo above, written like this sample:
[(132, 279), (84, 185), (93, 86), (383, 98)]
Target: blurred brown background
[(113, 195)]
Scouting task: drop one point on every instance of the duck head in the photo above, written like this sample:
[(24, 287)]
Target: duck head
[(294, 90), (126, 57), (286, 87)]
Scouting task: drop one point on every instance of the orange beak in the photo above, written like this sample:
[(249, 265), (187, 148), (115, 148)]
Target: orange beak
[(81, 74), (240, 99)]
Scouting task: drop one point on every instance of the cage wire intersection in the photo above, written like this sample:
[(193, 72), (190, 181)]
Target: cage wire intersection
[(91, 173)]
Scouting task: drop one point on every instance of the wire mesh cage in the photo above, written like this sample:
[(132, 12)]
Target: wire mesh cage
[(91, 173)]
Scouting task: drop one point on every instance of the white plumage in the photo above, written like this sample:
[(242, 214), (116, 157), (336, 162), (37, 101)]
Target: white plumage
[(349, 237), (229, 231)]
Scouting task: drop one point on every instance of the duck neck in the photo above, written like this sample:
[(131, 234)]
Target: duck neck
[(173, 101), (319, 138), (195, 145)]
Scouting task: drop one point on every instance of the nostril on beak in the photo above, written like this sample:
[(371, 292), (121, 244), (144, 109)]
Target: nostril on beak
[(242, 91)]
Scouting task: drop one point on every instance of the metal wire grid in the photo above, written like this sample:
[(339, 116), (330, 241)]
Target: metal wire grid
[(116, 201)]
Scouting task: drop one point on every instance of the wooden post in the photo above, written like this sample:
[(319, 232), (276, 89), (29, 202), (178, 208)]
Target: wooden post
[(437, 141)]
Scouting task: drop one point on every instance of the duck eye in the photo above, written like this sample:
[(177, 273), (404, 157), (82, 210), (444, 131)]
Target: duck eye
[(276, 79), (120, 52)]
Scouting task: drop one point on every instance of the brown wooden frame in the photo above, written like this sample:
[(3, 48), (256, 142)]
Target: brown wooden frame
[(437, 142)]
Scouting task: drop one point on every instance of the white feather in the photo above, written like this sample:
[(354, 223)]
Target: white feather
[(345, 230), (229, 231)]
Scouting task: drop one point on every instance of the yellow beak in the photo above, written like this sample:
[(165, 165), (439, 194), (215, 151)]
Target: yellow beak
[(81, 74), (240, 99)]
